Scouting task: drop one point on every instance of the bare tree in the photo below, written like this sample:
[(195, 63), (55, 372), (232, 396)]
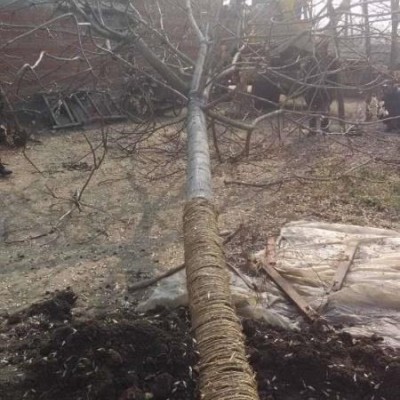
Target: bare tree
[(367, 31), (394, 40), (216, 327), (334, 17)]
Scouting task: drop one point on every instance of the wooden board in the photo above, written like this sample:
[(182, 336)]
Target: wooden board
[(284, 285), (344, 267)]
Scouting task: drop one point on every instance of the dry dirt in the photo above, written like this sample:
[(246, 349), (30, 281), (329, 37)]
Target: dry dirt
[(129, 224)]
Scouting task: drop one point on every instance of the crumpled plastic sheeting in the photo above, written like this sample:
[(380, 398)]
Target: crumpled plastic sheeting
[(307, 255), (172, 293)]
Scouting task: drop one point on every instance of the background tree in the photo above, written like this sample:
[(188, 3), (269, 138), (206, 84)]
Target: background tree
[(394, 7)]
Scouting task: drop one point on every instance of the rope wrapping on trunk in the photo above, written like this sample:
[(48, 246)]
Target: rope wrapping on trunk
[(224, 370)]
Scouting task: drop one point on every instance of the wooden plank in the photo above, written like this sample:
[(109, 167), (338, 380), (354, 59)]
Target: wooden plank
[(70, 115), (93, 103), (81, 105), (344, 267), (284, 285), (50, 108), (57, 123)]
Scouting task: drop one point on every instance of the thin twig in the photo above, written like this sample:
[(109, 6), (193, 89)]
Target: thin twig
[(31, 162), (259, 185), (152, 281)]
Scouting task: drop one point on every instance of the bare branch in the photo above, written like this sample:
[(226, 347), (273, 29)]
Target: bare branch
[(143, 47), (242, 125)]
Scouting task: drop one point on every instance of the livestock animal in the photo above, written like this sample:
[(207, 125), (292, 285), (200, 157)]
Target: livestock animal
[(312, 76), (321, 78), (391, 105), (266, 92)]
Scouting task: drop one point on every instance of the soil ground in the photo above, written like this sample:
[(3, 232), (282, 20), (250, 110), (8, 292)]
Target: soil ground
[(128, 228), (125, 356)]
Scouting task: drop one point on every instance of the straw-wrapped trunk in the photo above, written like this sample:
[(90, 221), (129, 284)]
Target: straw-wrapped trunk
[(225, 373)]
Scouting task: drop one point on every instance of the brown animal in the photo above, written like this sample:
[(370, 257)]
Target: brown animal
[(267, 92), (312, 76)]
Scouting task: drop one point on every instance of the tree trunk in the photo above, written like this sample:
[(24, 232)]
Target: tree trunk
[(367, 33), (225, 373), (334, 18), (394, 42)]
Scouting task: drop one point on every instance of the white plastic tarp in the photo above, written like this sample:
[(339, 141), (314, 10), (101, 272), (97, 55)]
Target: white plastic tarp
[(307, 256)]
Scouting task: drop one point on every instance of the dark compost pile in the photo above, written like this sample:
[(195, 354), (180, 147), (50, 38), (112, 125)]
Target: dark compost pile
[(46, 353)]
